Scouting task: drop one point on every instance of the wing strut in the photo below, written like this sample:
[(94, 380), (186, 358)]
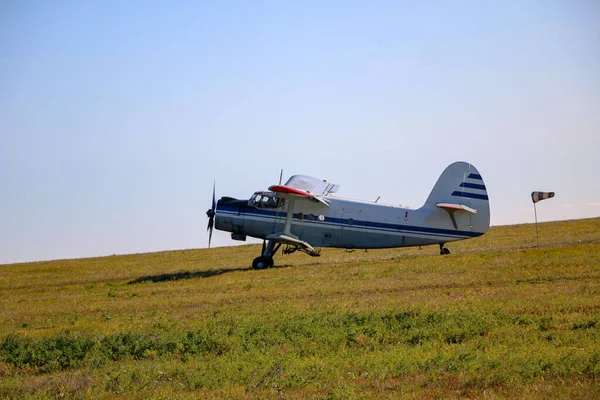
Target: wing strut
[(288, 217), (287, 237)]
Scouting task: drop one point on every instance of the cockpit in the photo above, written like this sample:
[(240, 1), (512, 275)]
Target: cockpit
[(265, 200)]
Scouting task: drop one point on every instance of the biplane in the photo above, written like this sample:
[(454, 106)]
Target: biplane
[(305, 214)]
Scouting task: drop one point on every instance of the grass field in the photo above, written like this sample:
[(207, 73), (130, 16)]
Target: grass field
[(497, 318)]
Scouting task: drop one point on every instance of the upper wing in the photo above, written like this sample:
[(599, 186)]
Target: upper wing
[(312, 185), (292, 191)]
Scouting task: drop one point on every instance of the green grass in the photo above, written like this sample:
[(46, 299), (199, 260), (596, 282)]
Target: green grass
[(497, 318)]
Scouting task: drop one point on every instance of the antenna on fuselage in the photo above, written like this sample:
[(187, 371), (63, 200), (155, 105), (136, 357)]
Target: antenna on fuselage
[(280, 176), (378, 197)]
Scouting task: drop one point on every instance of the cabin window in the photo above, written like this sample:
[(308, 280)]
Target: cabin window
[(351, 221), (300, 216)]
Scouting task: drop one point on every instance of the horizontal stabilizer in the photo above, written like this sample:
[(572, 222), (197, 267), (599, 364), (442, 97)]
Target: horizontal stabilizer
[(451, 208), (456, 207)]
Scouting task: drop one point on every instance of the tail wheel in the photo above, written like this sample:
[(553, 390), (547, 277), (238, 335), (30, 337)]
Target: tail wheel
[(262, 262)]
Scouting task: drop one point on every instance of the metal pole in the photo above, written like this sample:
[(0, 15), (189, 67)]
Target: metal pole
[(536, 228)]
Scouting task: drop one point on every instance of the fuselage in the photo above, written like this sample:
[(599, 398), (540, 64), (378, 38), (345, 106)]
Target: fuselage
[(344, 223)]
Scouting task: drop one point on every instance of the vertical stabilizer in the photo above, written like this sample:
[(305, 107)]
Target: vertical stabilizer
[(459, 199)]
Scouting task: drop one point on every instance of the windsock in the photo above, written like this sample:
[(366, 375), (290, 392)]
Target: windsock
[(538, 196)]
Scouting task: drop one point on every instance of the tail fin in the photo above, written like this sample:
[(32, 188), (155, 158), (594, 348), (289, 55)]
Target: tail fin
[(461, 194)]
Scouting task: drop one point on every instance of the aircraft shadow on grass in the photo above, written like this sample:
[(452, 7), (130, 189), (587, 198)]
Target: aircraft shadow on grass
[(177, 276)]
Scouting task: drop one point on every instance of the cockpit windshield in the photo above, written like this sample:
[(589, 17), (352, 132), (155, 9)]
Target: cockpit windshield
[(265, 200)]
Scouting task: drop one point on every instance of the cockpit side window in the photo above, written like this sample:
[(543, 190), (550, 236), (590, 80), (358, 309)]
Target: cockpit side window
[(265, 200)]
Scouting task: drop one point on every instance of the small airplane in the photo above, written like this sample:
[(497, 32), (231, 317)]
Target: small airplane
[(303, 214)]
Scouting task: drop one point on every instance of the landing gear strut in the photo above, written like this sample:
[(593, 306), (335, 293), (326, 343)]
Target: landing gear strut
[(444, 250), (265, 260)]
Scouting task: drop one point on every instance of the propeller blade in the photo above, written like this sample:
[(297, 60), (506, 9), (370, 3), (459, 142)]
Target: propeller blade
[(214, 203), (211, 216)]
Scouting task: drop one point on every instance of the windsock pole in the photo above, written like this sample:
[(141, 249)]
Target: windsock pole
[(536, 228)]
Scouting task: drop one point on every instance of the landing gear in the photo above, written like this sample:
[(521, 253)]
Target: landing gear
[(265, 260), (262, 262), (444, 250)]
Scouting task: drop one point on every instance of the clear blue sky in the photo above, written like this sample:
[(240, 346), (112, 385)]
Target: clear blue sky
[(116, 116)]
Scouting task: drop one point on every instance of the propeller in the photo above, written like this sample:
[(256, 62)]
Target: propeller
[(211, 217)]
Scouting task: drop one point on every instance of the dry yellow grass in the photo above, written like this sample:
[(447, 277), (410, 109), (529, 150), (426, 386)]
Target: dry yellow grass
[(502, 307)]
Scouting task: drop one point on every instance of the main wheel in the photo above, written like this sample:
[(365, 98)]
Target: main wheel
[(444, 251), (262, 262)]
